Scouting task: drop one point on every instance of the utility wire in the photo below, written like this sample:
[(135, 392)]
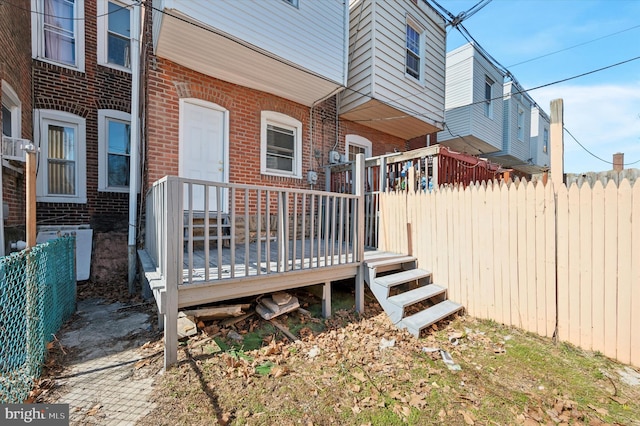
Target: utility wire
[(574, 46), (591, 153)]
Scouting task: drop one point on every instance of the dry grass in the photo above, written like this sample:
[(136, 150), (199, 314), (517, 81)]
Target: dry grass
[(338, 374)]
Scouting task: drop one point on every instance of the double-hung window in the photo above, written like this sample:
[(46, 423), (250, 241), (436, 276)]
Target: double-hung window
[(11, 112), (413, 60), (114, 149), (61, 137), (545, 140), (281, 145), (488, 96), (114, 33), (58, 31)]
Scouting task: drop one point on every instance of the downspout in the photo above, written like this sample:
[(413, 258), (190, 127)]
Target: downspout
[(135, 141)]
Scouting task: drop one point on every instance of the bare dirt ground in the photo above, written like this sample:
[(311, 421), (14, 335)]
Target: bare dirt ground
[(356, 369)]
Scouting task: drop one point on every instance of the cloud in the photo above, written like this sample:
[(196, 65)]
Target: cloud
[(604, 118)]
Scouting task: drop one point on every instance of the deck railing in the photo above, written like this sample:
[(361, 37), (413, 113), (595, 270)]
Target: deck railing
[(218, 231)]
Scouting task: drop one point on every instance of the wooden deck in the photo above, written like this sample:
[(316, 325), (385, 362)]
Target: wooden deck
[(262, 258)]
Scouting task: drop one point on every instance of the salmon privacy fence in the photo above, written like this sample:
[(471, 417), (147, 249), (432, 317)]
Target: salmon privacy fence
[(37, 294)]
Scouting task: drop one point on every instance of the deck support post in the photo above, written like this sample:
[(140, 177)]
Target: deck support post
[(358, 186), (173, 275), (326, 300)]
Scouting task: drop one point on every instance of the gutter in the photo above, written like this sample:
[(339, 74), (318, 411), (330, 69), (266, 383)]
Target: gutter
[(134, 170)]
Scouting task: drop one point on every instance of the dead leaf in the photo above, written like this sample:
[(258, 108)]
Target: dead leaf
[(279, 371), (530, 422), (142, 363), (468, 417), (224, 419), (355, 388), (619, 400), (94, 410), (359, 375), (417, 401), (601, 411), (356, 409)]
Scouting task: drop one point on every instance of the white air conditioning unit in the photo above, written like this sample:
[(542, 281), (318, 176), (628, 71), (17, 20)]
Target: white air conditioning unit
[(13, 148)]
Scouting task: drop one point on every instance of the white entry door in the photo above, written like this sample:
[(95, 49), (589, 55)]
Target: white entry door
[(203, 150)]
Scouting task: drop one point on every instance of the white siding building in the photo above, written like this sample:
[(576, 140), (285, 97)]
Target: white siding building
[(396, 67), (296, 49), (473, 105)]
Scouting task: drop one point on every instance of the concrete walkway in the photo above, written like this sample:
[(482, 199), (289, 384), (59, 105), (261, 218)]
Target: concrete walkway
[(110, 378)]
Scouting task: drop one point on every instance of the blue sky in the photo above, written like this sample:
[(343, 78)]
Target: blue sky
[(601, 110)]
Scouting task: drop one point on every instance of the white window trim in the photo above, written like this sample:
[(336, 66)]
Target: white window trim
[(37, 35), (12, 102), (359, 141), (276, 118), (420, 30), (103, 32), (488, 105), (103, 149), (40, 117)]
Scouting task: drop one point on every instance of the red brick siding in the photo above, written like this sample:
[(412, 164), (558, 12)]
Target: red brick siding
[(83, 93), (169, 82), (15, 69)]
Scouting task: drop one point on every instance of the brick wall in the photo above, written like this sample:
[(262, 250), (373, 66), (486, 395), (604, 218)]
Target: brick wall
[(15, 69), (168, 82), (83, 93)]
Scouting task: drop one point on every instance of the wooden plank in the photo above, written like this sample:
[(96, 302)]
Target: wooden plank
[(485, 248), (610, 268), (497, 249), (624, 272), (532, 235), (574, 265), (433, 227), (541, 272), (466, 269), (550, 260), (512, 254), (635, 275), (562, 258), (473, 301), (454, 243), (522, 320), (585, 256), (501, 252), (598, 283)]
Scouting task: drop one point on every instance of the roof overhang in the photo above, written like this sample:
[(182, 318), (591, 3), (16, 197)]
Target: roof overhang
[(194, 45), (387, 119)]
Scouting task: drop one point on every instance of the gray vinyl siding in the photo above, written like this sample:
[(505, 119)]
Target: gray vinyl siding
[(360, 77), (311, 35), (540, 122), (381, 45), (465, 113), (519, 149)]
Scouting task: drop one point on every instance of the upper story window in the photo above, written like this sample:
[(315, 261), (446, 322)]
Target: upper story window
[(61, 137), (488, 97), (58, 31), (281, 145), (114, 150), (520, 124), (114, 33), (545, 140), (11, 112), (413, 58)]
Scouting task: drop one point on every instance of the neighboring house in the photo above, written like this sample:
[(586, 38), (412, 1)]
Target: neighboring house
[(15, 97), (81, 121), (490, 117), (540, 138), (473, 108), (396, 68)]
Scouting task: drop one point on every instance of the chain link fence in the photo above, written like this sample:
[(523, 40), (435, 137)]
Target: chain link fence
[(37, 294)]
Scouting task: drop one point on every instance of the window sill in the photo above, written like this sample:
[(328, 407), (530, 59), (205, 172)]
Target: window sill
[(67, 200), (61, 64), (280, 175), (115, 67)]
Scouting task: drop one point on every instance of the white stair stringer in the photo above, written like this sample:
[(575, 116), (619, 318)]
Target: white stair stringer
[(413, 286)]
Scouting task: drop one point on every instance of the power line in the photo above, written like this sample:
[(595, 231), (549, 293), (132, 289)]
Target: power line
[(592, 154), (574, 46)]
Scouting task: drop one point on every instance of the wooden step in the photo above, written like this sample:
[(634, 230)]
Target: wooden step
[(401, 277), (397, 260), (374, 256), (421, 320), (416, 295)]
